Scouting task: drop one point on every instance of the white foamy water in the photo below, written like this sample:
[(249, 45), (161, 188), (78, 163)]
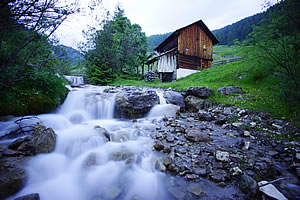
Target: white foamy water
[(84, 164)]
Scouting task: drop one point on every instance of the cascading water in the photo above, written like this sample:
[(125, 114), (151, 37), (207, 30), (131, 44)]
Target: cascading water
[(96, 156), (75, 80)]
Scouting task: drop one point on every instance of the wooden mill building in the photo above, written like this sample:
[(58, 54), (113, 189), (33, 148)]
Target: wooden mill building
[(185, 51)]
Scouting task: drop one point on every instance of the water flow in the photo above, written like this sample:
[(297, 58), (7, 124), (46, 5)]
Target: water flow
[(75, 80), (96, 156)]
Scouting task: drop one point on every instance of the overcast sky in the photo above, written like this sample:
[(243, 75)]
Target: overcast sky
[(162, 16)]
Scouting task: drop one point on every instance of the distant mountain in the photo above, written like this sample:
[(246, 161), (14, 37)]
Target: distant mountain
[(242, 28), (155, 40), (71, 55), (227, 34)]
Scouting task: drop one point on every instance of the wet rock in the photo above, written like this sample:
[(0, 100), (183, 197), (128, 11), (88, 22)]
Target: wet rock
[(12, 175), (112, 192), (271, 191), (122, 156), (222, 156), (200, 91), (194, 104), (298, 156), (103, 131), (195, 135), (174, 98), (246, 134), (200, 171), (136, 103), (176, 193), (158, 146), (160, 166), (191, 177), (221, 120), (227, 111), (204, 116), (247, 184), (196, 190), (236, 171), (42, 140), (276, 126), (237, 124), (229, 90), (218, 175), (34, 196), (91, 160)]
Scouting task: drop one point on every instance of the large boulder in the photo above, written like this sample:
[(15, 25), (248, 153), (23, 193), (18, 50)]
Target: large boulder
[(229, 90), (194, 104), (135, 103), (13, 159), (42, 140), (174, 98), (195, 135), (200, 91)]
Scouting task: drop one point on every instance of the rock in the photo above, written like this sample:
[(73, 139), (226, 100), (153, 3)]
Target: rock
[(42, 140), (176, 193), (195, 135), (227, 111), (222, 156), (246, 134), (103, 131), (236, 171), (298, 156), (200, 91), (191, 177), (112, 192), (237, 124), (174, 98), (218, 175), (247, 184), (34, 196), (12, 175), (196, 190), (160, 166), (271, 191), (246, 145), (122, 156), (204, 116), (276, 126), (151, 76), (229, 90), (221, 120), (194, 104), (136, 103), (158, 146)]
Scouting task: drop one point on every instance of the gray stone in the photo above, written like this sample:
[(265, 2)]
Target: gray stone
[(42, 141), (194, 104), (246, 134), (200, 91), (237, 124), (192, 177), (34, 196), (103, 131), (122, 156), (227, 111), (218, 175), (222, 156), (176, 193), (247, 184), (204, 116), (112, 192), (174, 98), (134, 103), (229, 90), (196, 190), (195, 135)]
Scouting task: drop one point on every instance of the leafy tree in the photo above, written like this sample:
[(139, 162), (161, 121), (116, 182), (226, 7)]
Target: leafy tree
[(118, 45), (277, 42)]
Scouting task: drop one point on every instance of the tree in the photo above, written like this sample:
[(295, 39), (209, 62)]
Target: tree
[(119, 45), (277, 42)]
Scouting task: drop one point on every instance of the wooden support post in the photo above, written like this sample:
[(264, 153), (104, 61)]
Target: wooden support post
[(143, 72)]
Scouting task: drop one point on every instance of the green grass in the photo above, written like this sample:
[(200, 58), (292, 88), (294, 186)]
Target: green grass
[(258, 87)]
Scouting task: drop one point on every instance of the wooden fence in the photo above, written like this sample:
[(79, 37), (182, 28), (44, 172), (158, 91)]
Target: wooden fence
[(224, 62)]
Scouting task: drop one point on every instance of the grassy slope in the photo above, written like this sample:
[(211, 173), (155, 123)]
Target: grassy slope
[(259, 93)]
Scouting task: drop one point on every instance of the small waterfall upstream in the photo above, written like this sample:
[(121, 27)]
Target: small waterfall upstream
[(96, 156)]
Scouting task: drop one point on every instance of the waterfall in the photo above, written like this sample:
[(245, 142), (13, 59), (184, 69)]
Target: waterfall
[(75, 80), (96, 156)]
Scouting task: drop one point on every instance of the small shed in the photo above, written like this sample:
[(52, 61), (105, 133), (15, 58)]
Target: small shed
[(185, 51)]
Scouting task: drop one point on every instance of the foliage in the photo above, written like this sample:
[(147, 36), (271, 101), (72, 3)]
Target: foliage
[(28, 83), (119, 47), (277, 50), (155, 40), (237, 32)]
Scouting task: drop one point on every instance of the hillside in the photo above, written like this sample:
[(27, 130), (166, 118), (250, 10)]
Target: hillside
[(241, 29), (69, 54), (155, 40)]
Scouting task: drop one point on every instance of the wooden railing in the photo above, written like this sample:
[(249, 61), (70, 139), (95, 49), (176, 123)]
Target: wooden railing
[(224, 62)]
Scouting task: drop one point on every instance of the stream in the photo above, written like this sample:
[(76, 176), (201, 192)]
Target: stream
[(100, 157)]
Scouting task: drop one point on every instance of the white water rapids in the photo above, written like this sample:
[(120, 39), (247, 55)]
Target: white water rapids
[(83, 167)]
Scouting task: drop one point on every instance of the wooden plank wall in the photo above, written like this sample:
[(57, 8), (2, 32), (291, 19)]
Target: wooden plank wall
[(194, 38), (172, 43)]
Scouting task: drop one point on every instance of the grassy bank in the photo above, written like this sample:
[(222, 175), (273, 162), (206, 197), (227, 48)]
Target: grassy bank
[(259, 92)]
